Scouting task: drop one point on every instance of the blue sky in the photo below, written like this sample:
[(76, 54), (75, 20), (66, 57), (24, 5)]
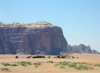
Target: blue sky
[(79, 19)]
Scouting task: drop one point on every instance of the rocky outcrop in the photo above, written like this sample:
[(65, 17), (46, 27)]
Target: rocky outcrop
[(31, 38), (84, 49), (80, 49), (95, 52), (72, 49)]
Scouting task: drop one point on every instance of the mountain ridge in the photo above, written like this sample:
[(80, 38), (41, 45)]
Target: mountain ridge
[(81, 49), (36, 38)]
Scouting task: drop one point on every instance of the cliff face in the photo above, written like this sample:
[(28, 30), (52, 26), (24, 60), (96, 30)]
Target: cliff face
[(31, 38), (80, 49), (1, 43)]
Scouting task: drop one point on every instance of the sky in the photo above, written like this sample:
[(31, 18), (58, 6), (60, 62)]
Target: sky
[(79, 19)]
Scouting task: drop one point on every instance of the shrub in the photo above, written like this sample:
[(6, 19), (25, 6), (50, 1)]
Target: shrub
[(79, 68), (97, 65), (64, 63), (23, 65), (85, 63), (56, 65), (72, 65), (49, 61), (14, 65), (22, 62), (60, 62), (75, 62), (37, 63), (4, 69), (91, 68), (83, 67), (62, 67), (5, 64), (29, 63)]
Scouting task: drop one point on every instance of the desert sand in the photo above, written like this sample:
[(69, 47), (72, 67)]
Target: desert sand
[(49, 67)]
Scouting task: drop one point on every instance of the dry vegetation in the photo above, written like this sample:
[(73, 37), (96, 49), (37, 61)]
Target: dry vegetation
[(89, 63)]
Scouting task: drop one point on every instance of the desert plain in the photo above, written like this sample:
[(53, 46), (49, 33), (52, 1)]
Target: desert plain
[(50, 67)]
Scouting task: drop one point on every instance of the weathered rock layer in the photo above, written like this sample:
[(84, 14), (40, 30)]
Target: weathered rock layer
[(31, 38)]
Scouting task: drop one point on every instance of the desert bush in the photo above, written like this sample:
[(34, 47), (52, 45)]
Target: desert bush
[(56, 65), (83, 63), (72, 65), (49, 61), (4, 69), (62, 67), (97, 65), (37, 63), (5, 64), (79, 68), (91, 68), (23, 63), (14, 65), (29, 63), (76, 63), (84, 67), (64, 63)]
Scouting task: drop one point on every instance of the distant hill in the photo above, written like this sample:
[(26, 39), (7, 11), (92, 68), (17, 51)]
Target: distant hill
[(80, 49)]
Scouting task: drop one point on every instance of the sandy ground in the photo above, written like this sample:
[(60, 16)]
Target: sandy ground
[(49, 67)]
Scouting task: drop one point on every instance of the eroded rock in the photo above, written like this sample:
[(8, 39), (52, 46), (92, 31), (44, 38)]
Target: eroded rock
[(31, 38)]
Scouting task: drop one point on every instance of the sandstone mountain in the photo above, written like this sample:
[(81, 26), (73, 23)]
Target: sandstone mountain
[(31, 38), (36, 38), (80, 49), (95, 52)]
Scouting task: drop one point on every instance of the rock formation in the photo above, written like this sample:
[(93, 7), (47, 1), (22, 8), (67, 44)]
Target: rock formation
[(80, 49), (72, 49), (36, 38), (95, 52), (31, 38)]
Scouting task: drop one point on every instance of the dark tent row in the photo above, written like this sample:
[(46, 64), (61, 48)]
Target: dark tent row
[(62, 56)]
